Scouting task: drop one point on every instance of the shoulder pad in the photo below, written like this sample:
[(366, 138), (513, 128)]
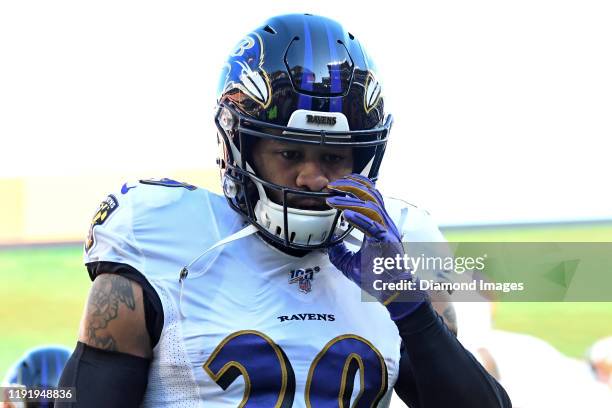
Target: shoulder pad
[(156, 230)]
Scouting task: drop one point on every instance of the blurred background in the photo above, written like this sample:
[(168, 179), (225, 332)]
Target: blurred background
[(502, 129)]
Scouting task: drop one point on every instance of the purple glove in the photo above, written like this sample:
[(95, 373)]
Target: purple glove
[(364, 208)]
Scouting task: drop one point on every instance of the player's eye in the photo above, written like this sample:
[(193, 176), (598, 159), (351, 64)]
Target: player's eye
[(290, 154), (332, 158)]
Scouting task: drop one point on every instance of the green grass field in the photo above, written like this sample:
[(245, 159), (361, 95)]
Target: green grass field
[(569, 326), (43, 291), (42, 295)]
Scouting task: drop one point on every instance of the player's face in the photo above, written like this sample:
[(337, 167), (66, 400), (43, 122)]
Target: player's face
[(307, 168)]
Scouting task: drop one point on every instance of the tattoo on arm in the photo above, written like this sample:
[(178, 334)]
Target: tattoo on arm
[(103, 307), (450, 318)]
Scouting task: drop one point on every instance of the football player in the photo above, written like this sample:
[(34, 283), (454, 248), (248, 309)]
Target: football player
[(253, 299)]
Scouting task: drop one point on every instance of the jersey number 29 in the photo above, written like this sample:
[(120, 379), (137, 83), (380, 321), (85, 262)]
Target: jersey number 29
[(270, 382)]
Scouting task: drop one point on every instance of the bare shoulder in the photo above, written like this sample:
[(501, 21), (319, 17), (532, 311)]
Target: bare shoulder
[(114, 317)]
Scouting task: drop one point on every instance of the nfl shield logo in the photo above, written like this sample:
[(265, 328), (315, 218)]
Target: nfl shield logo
[(304, 278), (305, 285)]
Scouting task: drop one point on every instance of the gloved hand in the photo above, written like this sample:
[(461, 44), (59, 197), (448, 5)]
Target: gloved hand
[(364, 208)]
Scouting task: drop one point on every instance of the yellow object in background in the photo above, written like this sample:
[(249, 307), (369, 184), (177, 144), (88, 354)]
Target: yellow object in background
[(12, 218), (59, 208)]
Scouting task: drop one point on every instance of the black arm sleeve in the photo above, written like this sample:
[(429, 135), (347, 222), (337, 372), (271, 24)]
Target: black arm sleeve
[(104, 378), (436, 371), (154, 313)]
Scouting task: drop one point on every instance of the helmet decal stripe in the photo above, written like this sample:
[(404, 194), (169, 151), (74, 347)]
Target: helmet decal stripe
[(308, 60), (305, 101), (335, 104)]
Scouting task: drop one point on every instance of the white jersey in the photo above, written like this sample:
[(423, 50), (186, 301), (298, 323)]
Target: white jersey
[(249, 325)]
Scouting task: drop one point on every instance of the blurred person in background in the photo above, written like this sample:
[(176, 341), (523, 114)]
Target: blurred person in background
[(532, 370), (600, 360), (39, 367)]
